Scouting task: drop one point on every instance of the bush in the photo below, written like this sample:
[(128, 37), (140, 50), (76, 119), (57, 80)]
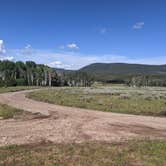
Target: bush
[(2, 83), (10, 82), (20, 82)]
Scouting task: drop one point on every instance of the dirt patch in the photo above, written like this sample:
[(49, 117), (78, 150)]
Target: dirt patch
[(60, 124)]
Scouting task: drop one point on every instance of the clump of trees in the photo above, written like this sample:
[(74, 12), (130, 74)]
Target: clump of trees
[(28, 73), (144, 80), (79, 78), (32, 74)]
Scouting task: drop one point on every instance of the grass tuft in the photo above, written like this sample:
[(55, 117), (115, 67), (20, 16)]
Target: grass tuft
[(7, 112)]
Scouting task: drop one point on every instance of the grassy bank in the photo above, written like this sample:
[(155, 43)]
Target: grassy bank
[(145, 101), (16, 88), (7, 112), (147, 153)]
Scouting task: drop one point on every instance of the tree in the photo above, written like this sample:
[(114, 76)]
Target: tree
[(20, 70), (30, 68)]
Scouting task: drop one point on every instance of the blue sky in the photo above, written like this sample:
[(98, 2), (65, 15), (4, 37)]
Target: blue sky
[(73, 33)]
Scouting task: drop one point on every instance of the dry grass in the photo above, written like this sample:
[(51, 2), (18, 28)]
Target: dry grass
[(145, 101), (7, 112), (147, 153)]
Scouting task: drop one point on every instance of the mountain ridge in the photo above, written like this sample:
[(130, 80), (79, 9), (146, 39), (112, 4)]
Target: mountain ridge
[(121, 71)]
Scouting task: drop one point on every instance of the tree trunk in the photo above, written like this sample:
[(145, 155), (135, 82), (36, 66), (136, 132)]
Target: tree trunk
[(32, 79), (37, 82), (45, 77), (50, 79), (28, 79)]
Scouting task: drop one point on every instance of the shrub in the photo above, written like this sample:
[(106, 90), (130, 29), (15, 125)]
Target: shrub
[(20, 82), (10, 82), (2, 83)]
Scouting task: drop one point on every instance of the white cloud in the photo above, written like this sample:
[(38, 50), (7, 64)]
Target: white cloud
[(3, 51), (27, 50), (75, 60), (28, 46), (71, 60), (2, 47), (138, 25), (68, 60), (9, 58), (72, 46), (59, 64)]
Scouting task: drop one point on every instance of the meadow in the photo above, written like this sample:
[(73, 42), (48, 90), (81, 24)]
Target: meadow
[(132, 153), (123, 99), (120, 99)]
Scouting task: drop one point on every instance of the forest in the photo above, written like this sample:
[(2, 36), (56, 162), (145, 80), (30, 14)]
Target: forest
[(32, 74)]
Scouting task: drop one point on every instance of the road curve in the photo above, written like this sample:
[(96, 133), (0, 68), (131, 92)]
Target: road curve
[(68, 125)]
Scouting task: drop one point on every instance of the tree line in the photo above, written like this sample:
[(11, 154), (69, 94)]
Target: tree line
[(32, 74), (145, 80)]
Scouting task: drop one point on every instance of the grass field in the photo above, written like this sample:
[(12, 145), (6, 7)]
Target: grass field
[(146, 101), (7, 112), (121, 99), (16, 88), (142, 153)]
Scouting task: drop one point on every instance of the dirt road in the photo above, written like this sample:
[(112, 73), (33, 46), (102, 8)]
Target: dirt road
[(65, 124)]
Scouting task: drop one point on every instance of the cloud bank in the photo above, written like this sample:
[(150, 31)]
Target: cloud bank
[(68, 59), (72, 60)]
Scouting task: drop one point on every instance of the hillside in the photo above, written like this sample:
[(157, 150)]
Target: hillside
[(109, 71)]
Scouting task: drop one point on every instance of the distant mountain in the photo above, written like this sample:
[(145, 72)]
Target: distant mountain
[(110, 71), (60, 71), (119, 71)]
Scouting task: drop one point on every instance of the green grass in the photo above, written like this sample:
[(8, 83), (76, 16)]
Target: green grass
[(121, 99), (16, 88), (7, 112), (142, 153)]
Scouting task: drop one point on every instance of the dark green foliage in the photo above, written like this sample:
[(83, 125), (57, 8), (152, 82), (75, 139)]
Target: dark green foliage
[(21, 82), (29, 73), (10, 82), (32, 74), (144, 75), (125, 69)]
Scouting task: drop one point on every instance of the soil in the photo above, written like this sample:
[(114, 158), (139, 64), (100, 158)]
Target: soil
[(61, 124)]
